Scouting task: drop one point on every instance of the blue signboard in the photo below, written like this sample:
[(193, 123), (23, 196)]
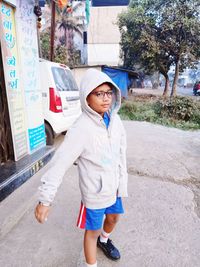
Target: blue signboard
[(42, 3), (110, 2), (36, 137)]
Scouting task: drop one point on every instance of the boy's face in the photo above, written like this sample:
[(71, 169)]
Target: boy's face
[(100, 99)]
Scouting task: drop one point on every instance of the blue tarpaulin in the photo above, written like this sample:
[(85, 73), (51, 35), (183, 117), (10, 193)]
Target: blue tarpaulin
[(119, 77)]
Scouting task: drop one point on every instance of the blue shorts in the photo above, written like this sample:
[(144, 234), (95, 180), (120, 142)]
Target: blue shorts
[(92, 219)]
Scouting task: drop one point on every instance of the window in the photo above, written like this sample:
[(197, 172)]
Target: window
[(64, 80)]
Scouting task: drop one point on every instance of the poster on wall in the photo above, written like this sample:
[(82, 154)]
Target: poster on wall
[(28, 47), (12, 79)]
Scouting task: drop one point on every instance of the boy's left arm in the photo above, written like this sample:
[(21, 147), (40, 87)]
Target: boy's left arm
[(123, 182)]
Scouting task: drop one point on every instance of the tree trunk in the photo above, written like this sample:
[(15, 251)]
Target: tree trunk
[(52, 34), (174, 86), (167, 83), (71, 39), (65, 32), (68, 39)]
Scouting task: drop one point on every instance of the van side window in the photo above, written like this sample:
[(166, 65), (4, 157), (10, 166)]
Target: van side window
[(64, 80)]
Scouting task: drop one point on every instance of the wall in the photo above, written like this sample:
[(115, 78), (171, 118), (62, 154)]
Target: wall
[(104, 36), (79, 72)]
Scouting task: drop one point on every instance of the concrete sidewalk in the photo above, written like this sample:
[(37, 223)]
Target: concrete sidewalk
[(161, 226)]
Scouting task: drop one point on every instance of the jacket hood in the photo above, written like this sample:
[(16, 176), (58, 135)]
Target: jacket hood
[(92, 79)]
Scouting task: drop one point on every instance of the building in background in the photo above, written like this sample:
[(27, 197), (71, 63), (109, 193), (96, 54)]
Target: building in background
[(103, 33)]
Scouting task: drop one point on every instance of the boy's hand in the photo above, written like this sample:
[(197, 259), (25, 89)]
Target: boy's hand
[(41, 213)]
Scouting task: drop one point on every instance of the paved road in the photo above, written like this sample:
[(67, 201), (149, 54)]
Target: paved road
[(161, 226), (185, 91), (180, 91)]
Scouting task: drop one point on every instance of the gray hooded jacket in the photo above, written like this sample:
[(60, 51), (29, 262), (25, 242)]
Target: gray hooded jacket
[(99, 151)]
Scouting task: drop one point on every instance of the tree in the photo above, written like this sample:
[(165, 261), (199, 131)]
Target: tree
[(158, 34), (68, 23), (62, 55), (140, 44), (45, 44)]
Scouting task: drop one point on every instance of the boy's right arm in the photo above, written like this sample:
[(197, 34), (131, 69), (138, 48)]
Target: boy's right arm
[(41, 212), (65, 156)]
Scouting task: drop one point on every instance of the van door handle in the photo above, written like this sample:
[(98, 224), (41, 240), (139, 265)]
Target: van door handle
[(72, 98)]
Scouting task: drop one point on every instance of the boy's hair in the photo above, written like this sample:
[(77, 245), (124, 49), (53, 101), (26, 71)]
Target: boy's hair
[(109, 84)]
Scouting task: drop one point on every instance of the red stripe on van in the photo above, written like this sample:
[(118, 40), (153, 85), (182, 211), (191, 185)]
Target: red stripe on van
[(55, 103)]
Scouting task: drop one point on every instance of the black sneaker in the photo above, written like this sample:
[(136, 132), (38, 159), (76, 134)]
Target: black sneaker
[(109, 249)]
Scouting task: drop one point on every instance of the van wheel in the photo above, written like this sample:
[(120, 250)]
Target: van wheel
[(49, 135)]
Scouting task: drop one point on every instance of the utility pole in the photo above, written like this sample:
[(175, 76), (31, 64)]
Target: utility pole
[(53, 11), (37, 6)]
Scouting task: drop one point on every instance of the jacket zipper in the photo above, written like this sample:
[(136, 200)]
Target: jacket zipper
[(108, 133)]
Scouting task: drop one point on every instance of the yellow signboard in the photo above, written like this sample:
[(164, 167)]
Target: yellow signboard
[(12, 79)]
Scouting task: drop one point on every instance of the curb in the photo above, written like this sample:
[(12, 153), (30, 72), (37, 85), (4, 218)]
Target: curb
[(16, 173), (26, 194)]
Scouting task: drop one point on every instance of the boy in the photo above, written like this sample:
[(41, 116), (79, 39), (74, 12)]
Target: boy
[(97, 143)]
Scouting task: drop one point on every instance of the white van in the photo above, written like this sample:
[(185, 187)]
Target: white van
[(60, 98)]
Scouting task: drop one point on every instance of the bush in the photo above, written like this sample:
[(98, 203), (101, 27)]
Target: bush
[(128, 109), (196, 116), (179, 108), (180, 112), (138, 111)]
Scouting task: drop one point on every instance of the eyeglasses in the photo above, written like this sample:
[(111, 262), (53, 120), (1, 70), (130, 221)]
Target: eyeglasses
[(101, 94)]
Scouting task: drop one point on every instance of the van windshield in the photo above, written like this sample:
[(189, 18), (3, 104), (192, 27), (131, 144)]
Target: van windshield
[(64, 80)]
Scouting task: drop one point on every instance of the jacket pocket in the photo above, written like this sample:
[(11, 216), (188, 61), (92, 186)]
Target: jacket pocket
[(109, 184), (95, 184), (90, 183)]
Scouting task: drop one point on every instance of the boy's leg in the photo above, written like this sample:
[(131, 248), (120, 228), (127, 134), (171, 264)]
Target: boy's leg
[(104, 242), (90, 246), (108, 226), (110, 222), (112, 217)]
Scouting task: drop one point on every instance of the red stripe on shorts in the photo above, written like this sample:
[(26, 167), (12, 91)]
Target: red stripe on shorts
[(82, 217)]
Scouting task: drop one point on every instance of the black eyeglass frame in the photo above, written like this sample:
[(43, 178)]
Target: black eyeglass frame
[(101, 94)]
